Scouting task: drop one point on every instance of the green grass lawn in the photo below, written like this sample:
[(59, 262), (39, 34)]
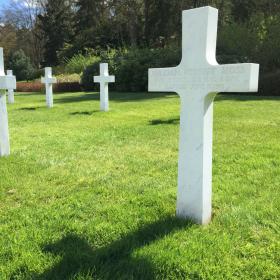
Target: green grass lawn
[(91, 195)]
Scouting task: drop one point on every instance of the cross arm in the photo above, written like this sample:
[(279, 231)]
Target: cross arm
[(111, 79), (163, 79), (104, 79), (236, 78), (48, 80), (97, 79), (7, 82)]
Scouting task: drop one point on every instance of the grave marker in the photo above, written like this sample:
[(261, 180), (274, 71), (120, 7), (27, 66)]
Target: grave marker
[(104, 79), (197, 80), (11, 95), (6, 82), (49, 80)]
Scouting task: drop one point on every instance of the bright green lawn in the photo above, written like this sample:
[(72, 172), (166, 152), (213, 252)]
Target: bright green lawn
[(91, 195)]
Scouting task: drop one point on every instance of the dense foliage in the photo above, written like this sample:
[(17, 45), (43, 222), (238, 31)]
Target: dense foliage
[(131, 67), (55, 24), (68, 27), (73, 34), (21, 65)]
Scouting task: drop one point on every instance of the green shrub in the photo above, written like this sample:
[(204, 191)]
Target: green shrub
[(38, 74), (87, 77), (111, 57), (229, 59), (270, 84), (238, 40), (67, 87), (68, 78), (78, 63), (130, 67), (269, 51), (21, 66), (132, 70)]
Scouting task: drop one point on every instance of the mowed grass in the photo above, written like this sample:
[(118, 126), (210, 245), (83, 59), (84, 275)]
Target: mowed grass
[(91, 195)]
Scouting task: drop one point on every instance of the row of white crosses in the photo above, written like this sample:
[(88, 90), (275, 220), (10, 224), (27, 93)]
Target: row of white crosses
[(104, 79), (8, 82), (197, 80)]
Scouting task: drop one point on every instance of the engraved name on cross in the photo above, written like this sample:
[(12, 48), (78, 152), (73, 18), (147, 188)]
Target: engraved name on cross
[(197, 80), (49, 80), (11, 94), (104, 79), (6, 82)]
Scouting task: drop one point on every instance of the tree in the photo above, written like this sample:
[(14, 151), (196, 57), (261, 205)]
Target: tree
[(21, 65), (22, 15), (243, 9), (56, 25), (88, 21), (8, 38)]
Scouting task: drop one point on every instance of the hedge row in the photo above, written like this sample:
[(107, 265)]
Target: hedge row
[(39, 87), (269, 84), (131, 69), (29, 86), (67, 87)]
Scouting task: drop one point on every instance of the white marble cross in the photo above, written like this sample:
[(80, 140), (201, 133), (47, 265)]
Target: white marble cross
[(6, 82), (11, 95), (104, 79), (49, 80), (197, 80)]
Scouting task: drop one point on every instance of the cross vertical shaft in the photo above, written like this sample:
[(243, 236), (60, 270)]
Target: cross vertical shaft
[(49, 88), (195, 159), (49, 95), (104, 97)]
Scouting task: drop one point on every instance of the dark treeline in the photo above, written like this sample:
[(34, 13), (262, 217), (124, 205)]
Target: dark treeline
[(49, 31)]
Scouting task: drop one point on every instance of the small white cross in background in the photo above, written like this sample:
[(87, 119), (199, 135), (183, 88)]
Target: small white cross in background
[(197, 80), (11, 95), (49, 80), (104, 79), (6, 82)]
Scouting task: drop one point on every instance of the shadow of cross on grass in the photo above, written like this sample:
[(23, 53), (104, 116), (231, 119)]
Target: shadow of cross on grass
[(169, 121), (114, 261), (29, 108), (85, 113), (114, 96)]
